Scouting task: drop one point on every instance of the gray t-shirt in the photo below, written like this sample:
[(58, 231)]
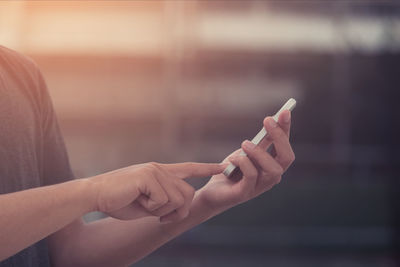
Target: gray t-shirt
[(32, 150)]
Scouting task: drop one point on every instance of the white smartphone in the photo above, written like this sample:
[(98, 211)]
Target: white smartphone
[(289, 105)]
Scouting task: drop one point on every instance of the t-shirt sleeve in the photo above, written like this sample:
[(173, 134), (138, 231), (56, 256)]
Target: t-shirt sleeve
[(55, 163)]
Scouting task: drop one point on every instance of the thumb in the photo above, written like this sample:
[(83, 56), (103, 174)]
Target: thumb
[(130, 212)]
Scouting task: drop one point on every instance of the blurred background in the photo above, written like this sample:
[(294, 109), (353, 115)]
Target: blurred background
[(171, 81)]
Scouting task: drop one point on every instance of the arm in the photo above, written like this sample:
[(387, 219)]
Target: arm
[(119, 243), (111, 242), (28, 216)]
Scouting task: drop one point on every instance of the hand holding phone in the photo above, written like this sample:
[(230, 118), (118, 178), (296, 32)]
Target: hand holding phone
[(289, 105)]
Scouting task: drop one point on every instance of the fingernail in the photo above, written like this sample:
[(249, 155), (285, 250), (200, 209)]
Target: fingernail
[(286, 117), (249, 145), (272, 123)]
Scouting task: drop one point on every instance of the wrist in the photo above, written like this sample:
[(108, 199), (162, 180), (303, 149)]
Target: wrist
[(199, 213), (88, 191), (207, 206)]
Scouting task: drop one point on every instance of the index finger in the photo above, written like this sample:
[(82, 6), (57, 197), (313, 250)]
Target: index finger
[(194, 169)]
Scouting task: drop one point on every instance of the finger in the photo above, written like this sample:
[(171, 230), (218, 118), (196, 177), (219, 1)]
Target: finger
[(171, 217), (153, 195), (176, 198), (234, 153), (182, 212), (130, 212), (188, 193), (284, 152), (192, 169), (265, 143), (284, 121), (263, 159), (250, 172)]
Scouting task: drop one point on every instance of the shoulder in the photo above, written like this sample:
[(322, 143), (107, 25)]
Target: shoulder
[(23, 72), (14, 60)]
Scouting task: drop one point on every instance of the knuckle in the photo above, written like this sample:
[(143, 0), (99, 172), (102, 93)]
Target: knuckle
[(276, 172), (152, 206), (241, 160), (153, 166), (278, 179), (256, 152), (163, 200), (286, 161), (292, 157), (178, 201)]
